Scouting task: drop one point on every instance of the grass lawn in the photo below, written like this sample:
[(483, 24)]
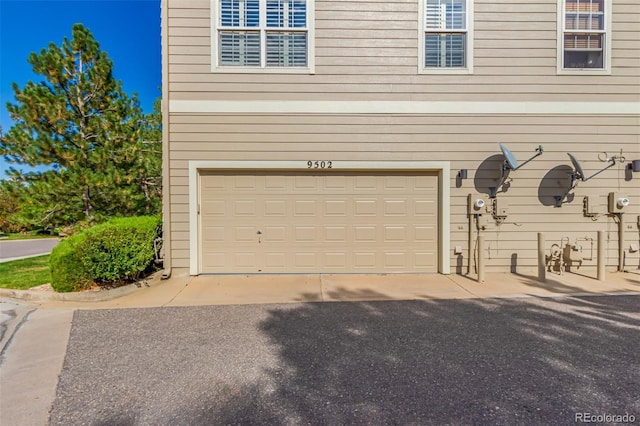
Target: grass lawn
[(23, 274)]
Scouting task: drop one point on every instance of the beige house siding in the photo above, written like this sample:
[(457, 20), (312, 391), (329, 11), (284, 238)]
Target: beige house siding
[(367, 51), (469, 142)]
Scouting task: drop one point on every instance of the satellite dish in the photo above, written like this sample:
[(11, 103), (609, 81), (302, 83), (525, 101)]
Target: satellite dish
[(579, 171), (510, 159), (577, 166)]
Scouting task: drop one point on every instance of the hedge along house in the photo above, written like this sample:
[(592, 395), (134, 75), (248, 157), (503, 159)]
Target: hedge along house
[(316, 136)]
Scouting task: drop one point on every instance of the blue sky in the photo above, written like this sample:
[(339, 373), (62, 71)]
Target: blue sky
[(128, 30)]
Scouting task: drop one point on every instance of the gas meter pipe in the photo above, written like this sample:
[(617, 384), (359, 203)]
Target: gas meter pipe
[(601, 256), (541, 258), (620, 243)]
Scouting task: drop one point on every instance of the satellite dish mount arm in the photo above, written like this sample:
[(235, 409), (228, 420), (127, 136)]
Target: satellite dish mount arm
[(507, 164), (579, 174)]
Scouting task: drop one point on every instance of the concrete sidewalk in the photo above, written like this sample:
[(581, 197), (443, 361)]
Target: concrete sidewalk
[(32, 355), (248, 289)]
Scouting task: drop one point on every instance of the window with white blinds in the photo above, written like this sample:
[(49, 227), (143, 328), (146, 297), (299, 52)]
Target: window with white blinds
[(446, 34), (585, 34), (263, 33)]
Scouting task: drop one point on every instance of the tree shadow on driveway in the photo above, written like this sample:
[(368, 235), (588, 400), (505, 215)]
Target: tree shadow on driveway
[(498, 361)]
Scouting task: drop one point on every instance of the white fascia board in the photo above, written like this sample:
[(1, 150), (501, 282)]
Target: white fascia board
[(402, 107)]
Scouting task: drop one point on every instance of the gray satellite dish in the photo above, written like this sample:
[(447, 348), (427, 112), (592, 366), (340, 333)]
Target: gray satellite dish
[(579, 171), (510, 159)]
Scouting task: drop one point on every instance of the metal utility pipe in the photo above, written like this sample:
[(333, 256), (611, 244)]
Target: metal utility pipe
[(470, 244), (480, 258), (542, 270), (601, 256), (620, 243)]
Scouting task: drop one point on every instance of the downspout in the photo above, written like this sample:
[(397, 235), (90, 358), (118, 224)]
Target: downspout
[(166, 169)]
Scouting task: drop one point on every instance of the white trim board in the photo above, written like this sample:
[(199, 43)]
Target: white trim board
[(402, 107), (442, 167)]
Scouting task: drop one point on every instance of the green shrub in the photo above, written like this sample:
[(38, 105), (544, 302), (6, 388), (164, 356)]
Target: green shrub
[(117, 251), (67, 270)]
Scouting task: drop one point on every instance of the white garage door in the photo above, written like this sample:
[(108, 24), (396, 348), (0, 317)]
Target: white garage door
[(334, 222)]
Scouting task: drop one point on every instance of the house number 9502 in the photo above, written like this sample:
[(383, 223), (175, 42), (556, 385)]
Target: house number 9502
[(319, 164)]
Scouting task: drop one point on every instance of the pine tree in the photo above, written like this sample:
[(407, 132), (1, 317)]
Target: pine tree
[(101, 153)]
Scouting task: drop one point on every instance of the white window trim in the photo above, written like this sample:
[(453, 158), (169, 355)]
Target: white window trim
[(607, 46), (421, 47), (311, 63)]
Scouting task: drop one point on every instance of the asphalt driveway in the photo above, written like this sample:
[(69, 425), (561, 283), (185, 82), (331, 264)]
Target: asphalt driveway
[(19, 249), (493, 361)]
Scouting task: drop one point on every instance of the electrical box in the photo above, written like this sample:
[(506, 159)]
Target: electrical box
[(573, 252), (500, 208), (476, 204), (617, 202)]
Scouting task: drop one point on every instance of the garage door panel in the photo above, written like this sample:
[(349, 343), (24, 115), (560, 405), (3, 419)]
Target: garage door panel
[(335, 260), (305, 208), (335, 184), (305, 234), (425, 208), (306, 260), (215, 234), (244, 183), (425, 259), (335, 234), (275, 208), (276, 260), (305, 183), (217, 260), (424, 233), (214, 208), (366, 183), (243, 234), (283, 222), (396, 183), (245, 259), (335, 207), (365, 234), (395, 234), (245, 208), (276, 183), (394, 260), (395, 207), (366, 207)]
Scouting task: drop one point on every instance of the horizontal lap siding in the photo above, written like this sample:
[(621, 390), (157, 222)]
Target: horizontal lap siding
[(469, 142), (367, 50)]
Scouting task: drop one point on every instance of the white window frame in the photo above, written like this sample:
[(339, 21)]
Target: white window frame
[(606, 70), (422, 30), (216, 28)]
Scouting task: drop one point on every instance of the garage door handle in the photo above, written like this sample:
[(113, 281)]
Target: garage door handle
[(259, 232)]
